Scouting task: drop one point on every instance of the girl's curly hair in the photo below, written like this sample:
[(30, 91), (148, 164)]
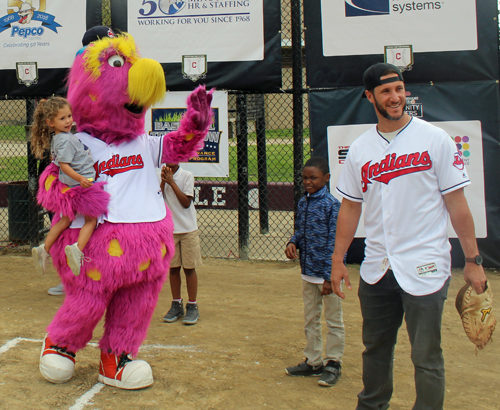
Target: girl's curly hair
[(40, 130)]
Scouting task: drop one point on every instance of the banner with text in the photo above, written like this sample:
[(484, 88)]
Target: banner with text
[(439, 40), (213, 159), (468, 138), (340, 116), (39, 40), (233, 44)]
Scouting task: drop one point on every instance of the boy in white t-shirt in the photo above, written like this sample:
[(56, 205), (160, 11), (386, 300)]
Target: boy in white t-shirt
[(177, 186)]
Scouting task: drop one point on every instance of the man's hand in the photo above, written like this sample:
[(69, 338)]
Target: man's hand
[(291, 251), (339, 274), (474, 276), (462, 222), (327, 288)]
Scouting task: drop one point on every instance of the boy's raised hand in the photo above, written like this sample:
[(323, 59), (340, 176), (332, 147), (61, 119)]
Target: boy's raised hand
[(291, 251), (166, 175)]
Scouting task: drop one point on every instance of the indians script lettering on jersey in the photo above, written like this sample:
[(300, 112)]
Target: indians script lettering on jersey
[(392, 167), (117, 165)]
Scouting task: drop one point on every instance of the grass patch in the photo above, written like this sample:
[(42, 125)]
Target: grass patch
[(14, 169), (283, 134), (12, 133)]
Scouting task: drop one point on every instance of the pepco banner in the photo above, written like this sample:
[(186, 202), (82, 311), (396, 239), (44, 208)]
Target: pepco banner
[(43, 33)]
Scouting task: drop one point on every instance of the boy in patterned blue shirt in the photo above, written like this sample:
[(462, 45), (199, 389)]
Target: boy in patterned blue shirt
[(314, 238)]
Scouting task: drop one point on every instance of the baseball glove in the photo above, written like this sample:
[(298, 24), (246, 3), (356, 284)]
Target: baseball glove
[(476, 312)]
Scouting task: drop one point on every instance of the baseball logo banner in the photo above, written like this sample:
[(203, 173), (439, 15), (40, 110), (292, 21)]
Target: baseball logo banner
[(213, 159), (43, 32), (223, 30), (469, 154)]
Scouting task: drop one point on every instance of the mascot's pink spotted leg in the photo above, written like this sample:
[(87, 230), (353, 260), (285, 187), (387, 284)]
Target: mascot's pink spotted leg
[(134, 307), (127, 320), (130, 301)]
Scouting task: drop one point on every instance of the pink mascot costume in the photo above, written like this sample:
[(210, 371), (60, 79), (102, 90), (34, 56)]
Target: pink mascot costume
[(110, 88)]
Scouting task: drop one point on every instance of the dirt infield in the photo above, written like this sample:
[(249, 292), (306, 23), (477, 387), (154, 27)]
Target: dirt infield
[(234, 358)]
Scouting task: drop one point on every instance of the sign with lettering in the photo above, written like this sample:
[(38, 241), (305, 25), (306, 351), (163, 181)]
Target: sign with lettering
[(213, 159), (47, 32), (223, 30), (239, 40)]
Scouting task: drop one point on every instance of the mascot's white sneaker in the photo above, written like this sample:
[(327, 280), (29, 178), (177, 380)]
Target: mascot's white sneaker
[(122, 372), (57, 364)]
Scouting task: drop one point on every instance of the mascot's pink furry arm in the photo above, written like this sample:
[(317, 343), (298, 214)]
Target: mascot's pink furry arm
[(110, 87)]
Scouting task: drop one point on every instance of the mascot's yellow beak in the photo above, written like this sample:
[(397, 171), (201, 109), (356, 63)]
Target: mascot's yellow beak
[(146, 82)]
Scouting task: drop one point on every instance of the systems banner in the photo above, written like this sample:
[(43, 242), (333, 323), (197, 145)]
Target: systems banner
[(213, 159), (443, 40), (38, 41), (226, 43)]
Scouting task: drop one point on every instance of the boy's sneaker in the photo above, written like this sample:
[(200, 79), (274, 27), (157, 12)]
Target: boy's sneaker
[(56, 290), (331, 374), (40, 258), (75, 258), (192, 314), (176, 311), (304, 369)]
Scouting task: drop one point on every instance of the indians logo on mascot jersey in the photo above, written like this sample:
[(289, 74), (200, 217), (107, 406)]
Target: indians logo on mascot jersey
[(128, 256)]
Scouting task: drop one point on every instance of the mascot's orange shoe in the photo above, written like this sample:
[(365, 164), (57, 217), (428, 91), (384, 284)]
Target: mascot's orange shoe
[(121, 371), (57, 364)]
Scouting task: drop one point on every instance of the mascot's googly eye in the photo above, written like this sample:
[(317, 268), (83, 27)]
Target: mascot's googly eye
[(116, 61)]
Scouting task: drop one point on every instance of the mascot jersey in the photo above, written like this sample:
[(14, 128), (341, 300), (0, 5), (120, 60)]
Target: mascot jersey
[(129, 171)]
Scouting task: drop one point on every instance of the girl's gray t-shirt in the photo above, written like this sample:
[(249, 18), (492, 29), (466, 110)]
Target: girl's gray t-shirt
[(67, 148)]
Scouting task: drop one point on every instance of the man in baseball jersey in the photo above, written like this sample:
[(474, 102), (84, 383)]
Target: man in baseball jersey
[(410, 177)]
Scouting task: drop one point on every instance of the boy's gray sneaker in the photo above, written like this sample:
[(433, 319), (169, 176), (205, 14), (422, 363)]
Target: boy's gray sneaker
[(176, 311), (331, 374), (56, 290), (304, 369), (192, 314)]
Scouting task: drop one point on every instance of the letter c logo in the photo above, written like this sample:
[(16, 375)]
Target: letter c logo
[(398, 56), (193, 64)]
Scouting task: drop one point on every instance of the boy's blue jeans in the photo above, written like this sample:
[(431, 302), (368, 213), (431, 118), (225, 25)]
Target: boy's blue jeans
[(383, 306)]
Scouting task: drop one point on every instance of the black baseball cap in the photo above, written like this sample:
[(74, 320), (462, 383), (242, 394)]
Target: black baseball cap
[(96, 33), (371, 77)]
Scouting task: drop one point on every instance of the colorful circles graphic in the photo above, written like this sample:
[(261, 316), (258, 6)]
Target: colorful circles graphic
[(463, 145)]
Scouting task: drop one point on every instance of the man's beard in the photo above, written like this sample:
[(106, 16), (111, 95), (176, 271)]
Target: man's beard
[(385, 114)]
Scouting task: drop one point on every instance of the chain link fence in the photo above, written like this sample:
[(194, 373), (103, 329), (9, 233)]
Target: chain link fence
[(248, 215)]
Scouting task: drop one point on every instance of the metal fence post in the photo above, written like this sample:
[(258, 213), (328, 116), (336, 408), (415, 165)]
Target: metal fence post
[(34, 209), (242, 153), (298, 120), (260, 129)]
